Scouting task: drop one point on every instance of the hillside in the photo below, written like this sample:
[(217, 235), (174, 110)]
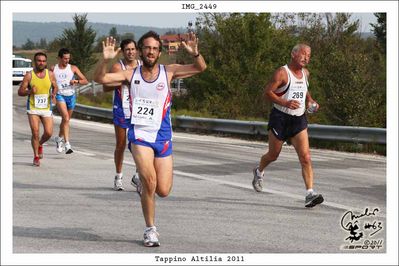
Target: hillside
[(49, 30)]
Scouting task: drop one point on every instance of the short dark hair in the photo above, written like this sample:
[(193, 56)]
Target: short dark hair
[(150, 34), (63, 51), (126, 42), (39, 54)]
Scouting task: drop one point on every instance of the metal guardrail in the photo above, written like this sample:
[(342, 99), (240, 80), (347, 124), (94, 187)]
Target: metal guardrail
[(92, 111), (90, 86), (322, 132)]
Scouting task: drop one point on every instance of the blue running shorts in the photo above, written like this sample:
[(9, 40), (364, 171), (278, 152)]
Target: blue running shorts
[(160, 148), (70, 101)]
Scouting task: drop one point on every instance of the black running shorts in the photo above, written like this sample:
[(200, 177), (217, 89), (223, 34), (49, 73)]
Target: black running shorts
[(285, 126)]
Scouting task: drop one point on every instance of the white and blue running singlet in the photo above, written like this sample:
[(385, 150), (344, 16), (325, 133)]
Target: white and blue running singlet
[(151, 105), (295, 89), (121, 100), (63, 77)]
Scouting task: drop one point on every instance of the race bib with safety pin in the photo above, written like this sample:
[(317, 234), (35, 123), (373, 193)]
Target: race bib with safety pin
[(146, 112), (41, 101), (126, 102)]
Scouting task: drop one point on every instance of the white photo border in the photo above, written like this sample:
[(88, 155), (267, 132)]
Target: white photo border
[(7, 10)]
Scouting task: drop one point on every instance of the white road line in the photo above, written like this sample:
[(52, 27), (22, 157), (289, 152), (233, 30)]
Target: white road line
[(285, 194), (85, 153), (239, 185)]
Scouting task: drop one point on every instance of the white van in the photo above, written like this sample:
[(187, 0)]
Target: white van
[(20, 66)]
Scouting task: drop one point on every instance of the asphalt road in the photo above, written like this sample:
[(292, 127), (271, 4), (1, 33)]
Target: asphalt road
[(67, 205)]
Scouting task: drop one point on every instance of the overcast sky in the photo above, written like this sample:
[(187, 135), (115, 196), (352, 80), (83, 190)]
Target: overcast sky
[(163, 20)]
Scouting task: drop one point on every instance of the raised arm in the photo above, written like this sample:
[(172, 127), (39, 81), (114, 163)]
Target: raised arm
[(199, 65), (114, 69), (109, 53)]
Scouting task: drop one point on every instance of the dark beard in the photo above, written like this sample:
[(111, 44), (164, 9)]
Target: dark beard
[(148, 64), (41, 68)]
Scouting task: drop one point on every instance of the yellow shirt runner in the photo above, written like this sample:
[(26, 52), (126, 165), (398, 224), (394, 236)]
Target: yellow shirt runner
[(40, 102)]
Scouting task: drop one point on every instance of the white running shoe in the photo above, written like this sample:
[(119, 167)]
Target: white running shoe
[(137, 183), (257, 182), (151, 237), (118, 185), (68, 148), (59, 144)]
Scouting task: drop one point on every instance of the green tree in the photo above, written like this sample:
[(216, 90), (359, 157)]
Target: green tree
[(127, 35), (80, 42), (29, 45), (114, 33), (347, 75), (54, 45), (380, 30), (99, 45), (42, 44), (240, 55)]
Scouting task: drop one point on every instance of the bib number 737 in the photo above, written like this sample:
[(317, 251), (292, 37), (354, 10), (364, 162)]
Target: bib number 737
[(41, 101)]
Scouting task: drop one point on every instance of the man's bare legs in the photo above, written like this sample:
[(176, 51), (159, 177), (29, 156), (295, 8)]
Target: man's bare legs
[(34, 123), (156, 176)]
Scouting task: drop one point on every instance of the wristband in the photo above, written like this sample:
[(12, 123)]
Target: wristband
[(196, 55)]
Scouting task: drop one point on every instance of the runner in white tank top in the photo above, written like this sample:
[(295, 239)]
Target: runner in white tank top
[(121, 96), (288, 90), (295, 89), (151, 102), (67, 76), (150, 135), (121, 107), (64, 77)]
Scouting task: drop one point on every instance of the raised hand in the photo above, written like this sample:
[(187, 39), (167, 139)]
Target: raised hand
[(109, 51), (191, 45)]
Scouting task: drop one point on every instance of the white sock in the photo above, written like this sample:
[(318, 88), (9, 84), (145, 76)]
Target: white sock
[(151, 227), (259, 173), (67, 143), (119, 175), (309, 191)]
